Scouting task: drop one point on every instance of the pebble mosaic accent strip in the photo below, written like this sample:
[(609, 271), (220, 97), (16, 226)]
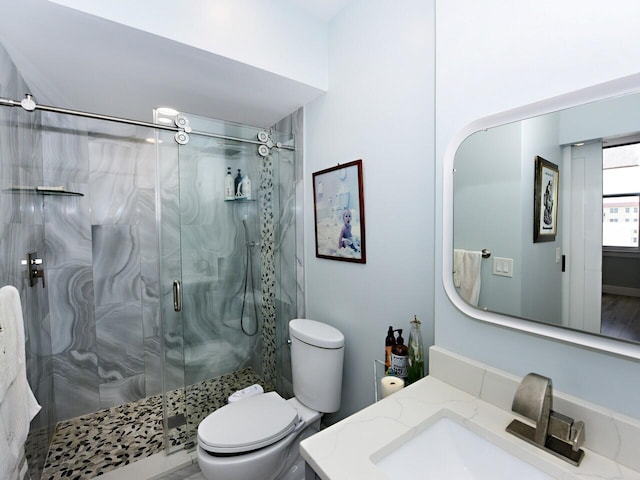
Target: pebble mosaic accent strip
[(267, 250), (93, 444)]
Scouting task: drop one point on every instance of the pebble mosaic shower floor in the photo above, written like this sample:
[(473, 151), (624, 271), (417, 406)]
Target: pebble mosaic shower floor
[(91, 445)]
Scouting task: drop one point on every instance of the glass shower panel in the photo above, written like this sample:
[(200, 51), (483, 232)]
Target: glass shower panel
[(220, 269), (230, 257)]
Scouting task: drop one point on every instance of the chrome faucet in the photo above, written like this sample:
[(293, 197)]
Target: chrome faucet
[(553, 432)]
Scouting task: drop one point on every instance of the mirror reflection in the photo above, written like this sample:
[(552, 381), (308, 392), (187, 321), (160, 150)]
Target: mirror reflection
[(555, 201)]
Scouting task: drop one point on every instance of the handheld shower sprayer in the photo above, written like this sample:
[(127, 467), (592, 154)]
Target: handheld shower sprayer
[(248, 277)]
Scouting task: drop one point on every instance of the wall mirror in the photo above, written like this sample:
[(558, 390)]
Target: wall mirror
[(584, 276)]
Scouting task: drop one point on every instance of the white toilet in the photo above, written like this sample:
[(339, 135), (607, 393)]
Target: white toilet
[(257, 437)]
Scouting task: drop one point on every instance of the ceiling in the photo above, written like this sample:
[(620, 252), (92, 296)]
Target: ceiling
[(78, 61)]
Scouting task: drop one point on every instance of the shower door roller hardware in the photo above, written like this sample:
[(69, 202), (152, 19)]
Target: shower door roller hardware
[(181, 138), (177, 296), (263, 150), (33, 272), (263, 136), (28, 103), (182, 122)]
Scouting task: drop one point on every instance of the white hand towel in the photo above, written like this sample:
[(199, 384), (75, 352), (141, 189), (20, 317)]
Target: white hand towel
[(10, 310), (19, 406), (467, 269), (458, 255)]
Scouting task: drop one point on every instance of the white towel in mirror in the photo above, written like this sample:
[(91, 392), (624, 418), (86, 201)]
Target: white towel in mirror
[(466, 274)]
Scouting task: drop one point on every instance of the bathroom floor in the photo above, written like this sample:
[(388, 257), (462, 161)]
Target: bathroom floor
[(87, 446), (192, 472)]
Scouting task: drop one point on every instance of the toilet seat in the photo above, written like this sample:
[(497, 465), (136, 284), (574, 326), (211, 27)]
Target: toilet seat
[(249, 424)]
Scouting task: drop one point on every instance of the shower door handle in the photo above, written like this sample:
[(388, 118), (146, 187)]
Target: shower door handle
[(177, 295)]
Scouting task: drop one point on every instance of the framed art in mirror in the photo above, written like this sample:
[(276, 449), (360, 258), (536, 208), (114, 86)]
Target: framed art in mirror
[(338, 201), (545, 201)]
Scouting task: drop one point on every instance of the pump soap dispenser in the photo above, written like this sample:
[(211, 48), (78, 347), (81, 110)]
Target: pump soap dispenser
[(399, 356), (389, 342)]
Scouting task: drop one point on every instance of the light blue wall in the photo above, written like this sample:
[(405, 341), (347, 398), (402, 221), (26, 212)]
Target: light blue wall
[(487, 214), (613, 117), (540, 300), (379, 108), (495, 58)]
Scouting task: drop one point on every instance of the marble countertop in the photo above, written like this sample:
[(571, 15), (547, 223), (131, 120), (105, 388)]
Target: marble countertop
[(350, 449)]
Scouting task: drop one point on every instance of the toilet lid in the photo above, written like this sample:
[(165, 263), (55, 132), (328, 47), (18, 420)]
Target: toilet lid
[(249, 424)]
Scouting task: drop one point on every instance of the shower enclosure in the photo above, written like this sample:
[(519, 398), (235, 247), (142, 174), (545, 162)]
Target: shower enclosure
[(118, 220)]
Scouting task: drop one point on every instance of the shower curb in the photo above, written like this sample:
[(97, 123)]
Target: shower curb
[(153, 467)]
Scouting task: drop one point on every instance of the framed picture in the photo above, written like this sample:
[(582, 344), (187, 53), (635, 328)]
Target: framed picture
[(338, 201), (545, 201)]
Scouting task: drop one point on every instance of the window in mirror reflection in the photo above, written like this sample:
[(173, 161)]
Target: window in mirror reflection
[(620, 195)]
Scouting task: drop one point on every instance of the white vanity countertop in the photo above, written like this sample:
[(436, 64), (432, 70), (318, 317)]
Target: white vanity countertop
[(349, 449)]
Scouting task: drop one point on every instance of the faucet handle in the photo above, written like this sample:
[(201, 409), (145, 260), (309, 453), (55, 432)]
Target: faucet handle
[(533, 401), (577, 435)]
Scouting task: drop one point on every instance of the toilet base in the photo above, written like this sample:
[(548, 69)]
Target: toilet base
[(281, 461)]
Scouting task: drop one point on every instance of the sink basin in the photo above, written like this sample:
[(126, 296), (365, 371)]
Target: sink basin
[(447, 450)]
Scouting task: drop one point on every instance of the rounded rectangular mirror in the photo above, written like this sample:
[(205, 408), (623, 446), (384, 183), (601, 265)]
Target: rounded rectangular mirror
[(553, 200)]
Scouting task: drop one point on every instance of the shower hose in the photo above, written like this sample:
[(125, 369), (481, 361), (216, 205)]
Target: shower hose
[(248, 278)]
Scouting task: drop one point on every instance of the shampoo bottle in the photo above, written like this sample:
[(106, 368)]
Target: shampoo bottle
[(415, 361), (389, 342), (229, 192), (399, 356)]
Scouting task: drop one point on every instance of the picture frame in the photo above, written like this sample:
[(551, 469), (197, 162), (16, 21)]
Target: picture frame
[(545, 201), (338, 201)]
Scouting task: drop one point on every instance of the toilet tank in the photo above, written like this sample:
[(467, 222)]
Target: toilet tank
[(317, 354)]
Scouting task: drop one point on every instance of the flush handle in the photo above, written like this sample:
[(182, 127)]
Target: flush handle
[(177, 296)]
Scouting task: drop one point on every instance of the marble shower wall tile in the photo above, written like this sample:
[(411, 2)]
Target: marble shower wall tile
[(116, 263), (114, 193), (125, 390), (67, 229), (66, 149), (71, 309), (76, 383), (152, 366), (119, 340)]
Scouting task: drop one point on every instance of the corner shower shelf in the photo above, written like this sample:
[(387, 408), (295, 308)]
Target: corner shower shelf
[(241, 200), (59, 191)]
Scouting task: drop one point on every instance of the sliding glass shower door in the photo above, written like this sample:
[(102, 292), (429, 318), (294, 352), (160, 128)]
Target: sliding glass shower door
[(218, 271)]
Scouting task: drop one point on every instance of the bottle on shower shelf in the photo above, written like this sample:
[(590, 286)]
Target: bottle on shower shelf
[(229, 192), (236, 183), (245, 187)]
